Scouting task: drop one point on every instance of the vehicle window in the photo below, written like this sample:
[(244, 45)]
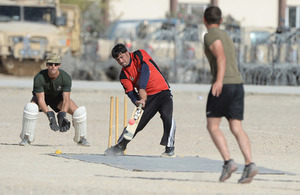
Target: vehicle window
[(162, 34), (8, 13), (123, 30), (39, 14), (259, 37), (133, 29)]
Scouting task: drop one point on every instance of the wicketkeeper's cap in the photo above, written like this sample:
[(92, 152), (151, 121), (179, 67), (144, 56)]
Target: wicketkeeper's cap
[(53, 58)]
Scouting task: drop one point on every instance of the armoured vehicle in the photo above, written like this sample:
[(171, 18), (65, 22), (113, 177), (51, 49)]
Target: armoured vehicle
[(29, 29)]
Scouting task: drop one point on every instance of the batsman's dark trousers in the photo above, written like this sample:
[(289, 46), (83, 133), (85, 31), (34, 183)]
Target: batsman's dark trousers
[(161, 102)]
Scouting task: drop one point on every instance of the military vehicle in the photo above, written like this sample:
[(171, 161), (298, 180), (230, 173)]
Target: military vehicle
[(29, 29)]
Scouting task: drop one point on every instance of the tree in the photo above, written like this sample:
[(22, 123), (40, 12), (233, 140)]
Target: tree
[(92, 17)]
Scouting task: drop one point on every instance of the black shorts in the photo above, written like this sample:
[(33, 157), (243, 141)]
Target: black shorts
[(229, 104), (50, 101)]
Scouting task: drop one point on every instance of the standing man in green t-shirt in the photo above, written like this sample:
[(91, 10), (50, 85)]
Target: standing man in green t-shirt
[(52, 87), (226, 97)]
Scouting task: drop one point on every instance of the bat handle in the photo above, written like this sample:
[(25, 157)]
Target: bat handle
[(140, 105)]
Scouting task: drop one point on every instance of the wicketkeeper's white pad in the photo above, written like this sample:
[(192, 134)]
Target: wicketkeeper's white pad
[(79, 123), (30, 113)]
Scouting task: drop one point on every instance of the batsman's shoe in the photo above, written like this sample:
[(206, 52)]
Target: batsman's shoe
[(228, 169), (249, 172), (25, 141), (116, 150), (83, 142), (169, 152)]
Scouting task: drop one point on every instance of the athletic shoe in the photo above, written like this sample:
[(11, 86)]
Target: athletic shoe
[(83, 142), (25, 141), (116, 150), (228, 169), (169, 152), (249, 172)]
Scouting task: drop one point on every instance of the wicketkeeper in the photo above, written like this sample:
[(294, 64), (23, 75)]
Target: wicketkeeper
[(52, 87)]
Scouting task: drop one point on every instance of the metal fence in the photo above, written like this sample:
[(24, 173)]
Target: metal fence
[(268, 59)]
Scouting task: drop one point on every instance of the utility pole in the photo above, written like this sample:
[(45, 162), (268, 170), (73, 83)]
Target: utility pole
[(173, 7), (281, 12), (214, 2), (105, 12)]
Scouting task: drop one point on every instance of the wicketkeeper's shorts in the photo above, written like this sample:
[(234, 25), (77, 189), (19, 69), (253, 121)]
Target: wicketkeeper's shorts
[(50, 101)]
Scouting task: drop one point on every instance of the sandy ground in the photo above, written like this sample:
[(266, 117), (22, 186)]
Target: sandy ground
[(271, 121)]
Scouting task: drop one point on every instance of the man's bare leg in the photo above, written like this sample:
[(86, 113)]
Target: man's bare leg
[(242, 138), (213, 127)]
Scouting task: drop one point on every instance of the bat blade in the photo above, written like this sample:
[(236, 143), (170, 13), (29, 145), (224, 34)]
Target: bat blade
[(131, 128)]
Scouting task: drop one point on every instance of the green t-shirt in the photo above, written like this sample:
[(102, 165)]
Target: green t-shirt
[(232, 74), (52, 88)]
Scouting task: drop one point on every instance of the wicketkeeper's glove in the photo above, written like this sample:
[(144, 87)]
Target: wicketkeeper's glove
[(64, 124), (53, 125)]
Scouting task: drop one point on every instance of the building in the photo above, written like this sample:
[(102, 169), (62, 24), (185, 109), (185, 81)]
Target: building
[(250, 13)]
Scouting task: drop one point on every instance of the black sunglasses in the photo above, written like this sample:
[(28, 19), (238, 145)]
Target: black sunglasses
[(51, 64)]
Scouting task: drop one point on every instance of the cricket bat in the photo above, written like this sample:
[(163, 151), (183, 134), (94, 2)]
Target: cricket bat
[(133, 122)]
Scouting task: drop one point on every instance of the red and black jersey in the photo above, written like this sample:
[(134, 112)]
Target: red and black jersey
[(130, 75)]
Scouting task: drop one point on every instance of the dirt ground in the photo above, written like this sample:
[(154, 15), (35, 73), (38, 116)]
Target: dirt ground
[(271, 121)]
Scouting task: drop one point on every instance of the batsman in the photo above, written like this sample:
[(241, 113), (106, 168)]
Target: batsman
[(145, 85), (52, 87)]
